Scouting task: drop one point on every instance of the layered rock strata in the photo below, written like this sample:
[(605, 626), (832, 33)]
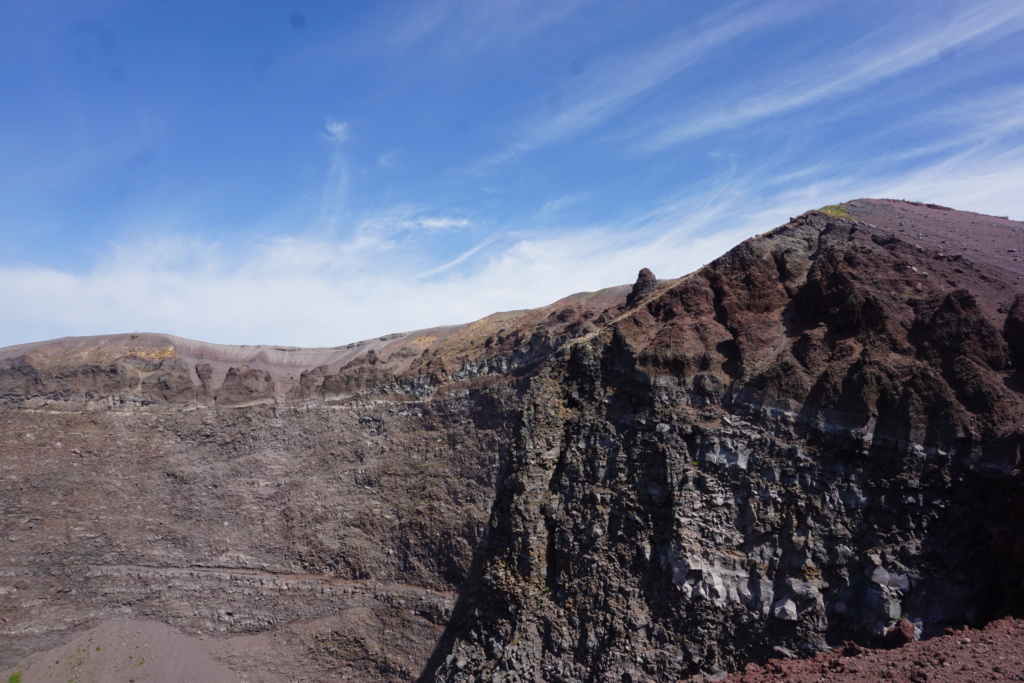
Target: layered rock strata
[(802, 442)]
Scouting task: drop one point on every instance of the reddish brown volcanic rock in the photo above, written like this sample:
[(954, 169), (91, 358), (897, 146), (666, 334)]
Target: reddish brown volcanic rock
[(793, 447), (901, 633), (968, 656)]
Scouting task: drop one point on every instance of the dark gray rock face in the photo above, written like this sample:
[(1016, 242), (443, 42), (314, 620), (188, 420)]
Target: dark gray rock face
[(644, 286), (774, 455), (1014, 329), (646, 541), (797, 445)]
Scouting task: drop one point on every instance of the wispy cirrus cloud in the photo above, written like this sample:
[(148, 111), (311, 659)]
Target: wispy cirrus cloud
[(613, 84), (977, 178), (822, 101), (440, 223), (899, 48), (976, 165), (973, 159), (324, 289), (985, 117), (331, 285), (563, 202), (406, 218), (986, 122), (469, 25), (335, 129)]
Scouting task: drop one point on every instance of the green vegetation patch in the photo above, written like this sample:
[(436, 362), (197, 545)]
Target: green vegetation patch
[(835, 210), (14, 677)]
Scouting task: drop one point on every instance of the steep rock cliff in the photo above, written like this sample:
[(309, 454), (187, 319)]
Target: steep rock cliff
[(808, 438), (814, 435)]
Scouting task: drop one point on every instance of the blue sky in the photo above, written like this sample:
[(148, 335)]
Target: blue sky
[(313, 173)]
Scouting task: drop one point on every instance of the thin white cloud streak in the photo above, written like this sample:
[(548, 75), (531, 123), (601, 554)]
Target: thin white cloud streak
[(436, 29), (976, 164), (973, 180), (976, 179), (878, 59), (423, 20), (487, 24), (983, 122), (461, 258), (430, 223), (561, 203), (613, 85), (984, 176), (472, 25), (984, 117), (410, 218)]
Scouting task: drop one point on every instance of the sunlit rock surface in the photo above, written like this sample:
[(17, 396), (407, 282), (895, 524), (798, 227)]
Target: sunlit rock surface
[(811, 437)]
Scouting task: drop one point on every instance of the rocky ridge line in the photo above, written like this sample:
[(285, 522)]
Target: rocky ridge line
[(794, 446), (810, 437)]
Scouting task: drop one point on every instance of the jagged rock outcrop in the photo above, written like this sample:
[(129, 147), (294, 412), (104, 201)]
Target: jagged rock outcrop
[(157, 375), (244, 385), (802, 442), (775, 452), (644, 286)]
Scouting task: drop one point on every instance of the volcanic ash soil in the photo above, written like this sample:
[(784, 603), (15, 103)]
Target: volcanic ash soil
[(993, 654)]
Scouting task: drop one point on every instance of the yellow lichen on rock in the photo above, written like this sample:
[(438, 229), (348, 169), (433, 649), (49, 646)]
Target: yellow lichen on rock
[(425, 340), (163, 353)]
